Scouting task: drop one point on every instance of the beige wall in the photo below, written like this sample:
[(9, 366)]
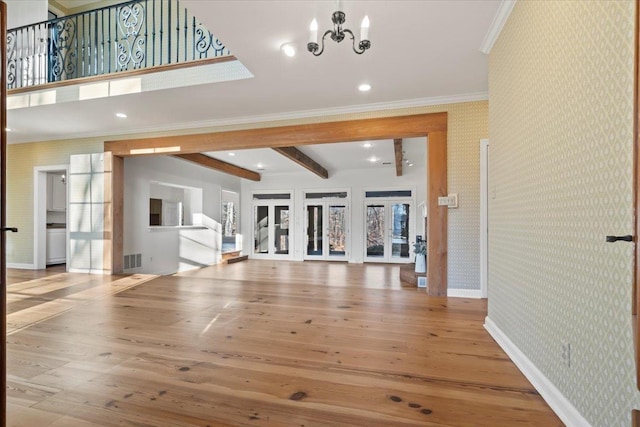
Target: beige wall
[(560, 179), (21, 161), (468, 123)]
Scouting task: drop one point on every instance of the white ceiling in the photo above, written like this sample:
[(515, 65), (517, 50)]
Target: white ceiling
[(333, 157), (70, 4), (423, 52)]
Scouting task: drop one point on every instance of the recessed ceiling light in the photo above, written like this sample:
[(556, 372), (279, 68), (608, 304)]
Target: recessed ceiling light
[(410, 164), (121, 115), (367, 145), (373, 159), (288, 49), (364, 87), (7, 129), (259, 165), (232, 154)]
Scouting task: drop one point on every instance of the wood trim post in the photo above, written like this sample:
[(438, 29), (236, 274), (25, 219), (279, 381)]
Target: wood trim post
[(112, 257), (437, 216)]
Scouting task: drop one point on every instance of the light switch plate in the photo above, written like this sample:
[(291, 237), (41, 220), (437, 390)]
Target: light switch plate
[(450, 201)]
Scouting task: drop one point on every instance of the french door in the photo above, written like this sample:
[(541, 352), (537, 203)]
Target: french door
[(326, 230), (271, 229), (388, 227)]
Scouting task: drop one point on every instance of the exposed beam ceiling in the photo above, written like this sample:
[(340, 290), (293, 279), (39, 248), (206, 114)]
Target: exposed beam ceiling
[(219, 165), (303, 160), (287, 136), (397, 147)]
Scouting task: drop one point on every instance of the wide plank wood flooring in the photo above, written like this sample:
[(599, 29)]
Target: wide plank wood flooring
[(257, 343)]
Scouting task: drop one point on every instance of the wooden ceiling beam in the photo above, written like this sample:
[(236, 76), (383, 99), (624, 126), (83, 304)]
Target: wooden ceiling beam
[(397, 148), (219, 165), (284, 136), (303, 160)]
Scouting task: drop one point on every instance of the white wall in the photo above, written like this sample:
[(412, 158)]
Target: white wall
[(164, 249), (353, 180), (25, 12)]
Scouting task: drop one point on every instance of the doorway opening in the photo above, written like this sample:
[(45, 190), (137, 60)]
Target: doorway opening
[(51, 237)]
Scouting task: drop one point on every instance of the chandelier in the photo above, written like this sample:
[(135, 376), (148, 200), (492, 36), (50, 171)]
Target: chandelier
[(338, 34)]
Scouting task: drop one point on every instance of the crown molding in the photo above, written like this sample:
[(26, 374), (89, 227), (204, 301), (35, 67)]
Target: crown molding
[(294, 115), (504, 10)]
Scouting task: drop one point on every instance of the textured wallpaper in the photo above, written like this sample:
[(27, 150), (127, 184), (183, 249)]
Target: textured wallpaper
[(468, 123), (560, 179)]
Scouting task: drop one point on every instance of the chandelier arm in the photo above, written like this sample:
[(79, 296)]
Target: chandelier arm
[(314, 48), (353, 40)]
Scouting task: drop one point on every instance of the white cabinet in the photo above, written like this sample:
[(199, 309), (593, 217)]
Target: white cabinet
[(56, 245), (56, 193)]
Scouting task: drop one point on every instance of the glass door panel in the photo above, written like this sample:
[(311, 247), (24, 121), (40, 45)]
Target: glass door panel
[(400, 230), (314, 230), (375, 231), (261, 230), (281, 228), (337, 230)]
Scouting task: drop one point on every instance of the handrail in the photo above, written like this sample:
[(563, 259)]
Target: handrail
[(133, 35)]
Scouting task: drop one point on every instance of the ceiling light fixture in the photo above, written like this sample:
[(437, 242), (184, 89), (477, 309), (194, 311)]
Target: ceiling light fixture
[(338, 33), (373, 159), (121, 115), (288, 49), (232, 154), (367, 145), (364, 87), (7, 129)]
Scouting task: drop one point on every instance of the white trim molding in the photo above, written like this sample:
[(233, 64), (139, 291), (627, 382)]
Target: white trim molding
[(20, 266), (556, 400), (464, 293), (484, 217), (504, 10)]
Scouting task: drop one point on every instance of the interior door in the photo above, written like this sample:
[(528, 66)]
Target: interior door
[(388, 228), (327, 231), (3, 217)]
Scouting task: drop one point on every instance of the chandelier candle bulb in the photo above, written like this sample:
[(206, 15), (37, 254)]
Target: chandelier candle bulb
[(364, 29), (313, 31)]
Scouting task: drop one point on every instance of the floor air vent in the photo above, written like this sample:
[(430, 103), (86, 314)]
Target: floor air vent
[(132, 261)]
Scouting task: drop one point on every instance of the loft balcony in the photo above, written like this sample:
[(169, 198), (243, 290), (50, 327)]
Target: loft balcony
[(133, 37)]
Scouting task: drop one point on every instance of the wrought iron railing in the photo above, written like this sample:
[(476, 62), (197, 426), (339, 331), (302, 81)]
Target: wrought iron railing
[(129, 36)]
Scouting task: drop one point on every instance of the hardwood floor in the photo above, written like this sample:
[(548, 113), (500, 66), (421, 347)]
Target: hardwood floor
[(259, 343)]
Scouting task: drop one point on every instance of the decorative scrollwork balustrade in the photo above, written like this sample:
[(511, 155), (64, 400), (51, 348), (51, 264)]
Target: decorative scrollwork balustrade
[(133, 35)]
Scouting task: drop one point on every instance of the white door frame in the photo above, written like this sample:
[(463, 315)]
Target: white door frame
[(40, 214), (271, 204), (484, 217), (326, 204), (388, 202)]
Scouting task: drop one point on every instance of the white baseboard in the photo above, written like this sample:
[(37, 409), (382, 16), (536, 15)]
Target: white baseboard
[(21, 266), (556, 400), (464, 293)]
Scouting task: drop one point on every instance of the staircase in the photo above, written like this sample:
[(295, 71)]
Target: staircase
[(232, 257)]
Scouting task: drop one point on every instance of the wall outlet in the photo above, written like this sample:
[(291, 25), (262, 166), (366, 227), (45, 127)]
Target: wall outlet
[(566, 354)]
